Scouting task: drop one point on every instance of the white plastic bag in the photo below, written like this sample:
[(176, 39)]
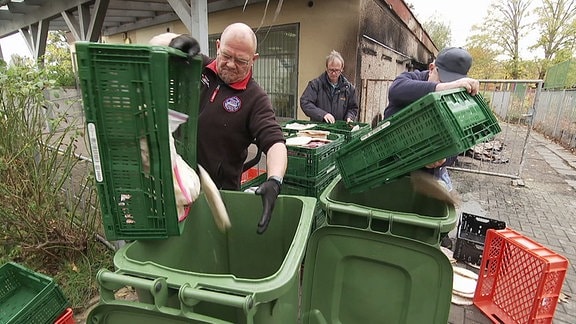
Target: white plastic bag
[(186, 182), (185, 179)]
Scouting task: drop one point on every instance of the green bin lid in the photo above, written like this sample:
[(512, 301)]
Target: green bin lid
[(359, 276)]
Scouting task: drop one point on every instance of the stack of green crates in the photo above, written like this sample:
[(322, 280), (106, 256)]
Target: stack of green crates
[(439, 125), (28, 297), (127, 91), (311, 169)]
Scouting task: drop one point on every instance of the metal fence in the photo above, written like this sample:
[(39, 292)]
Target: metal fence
[(555, 116), (513, 102)]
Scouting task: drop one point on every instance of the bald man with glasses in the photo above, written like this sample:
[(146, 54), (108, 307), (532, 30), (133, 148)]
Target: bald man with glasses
[(234, 112)]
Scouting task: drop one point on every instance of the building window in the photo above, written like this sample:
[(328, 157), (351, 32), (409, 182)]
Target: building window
[(276, 70)]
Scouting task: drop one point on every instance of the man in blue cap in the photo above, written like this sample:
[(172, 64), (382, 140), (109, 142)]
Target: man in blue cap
[(448, 71)]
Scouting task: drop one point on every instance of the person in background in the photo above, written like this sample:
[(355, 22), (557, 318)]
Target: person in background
[(234, 112), (330, 96), (448, 71)]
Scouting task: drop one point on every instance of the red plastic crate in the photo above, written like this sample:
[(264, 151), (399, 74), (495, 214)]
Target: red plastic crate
[(250, 174), (519, 280), (66, 318)]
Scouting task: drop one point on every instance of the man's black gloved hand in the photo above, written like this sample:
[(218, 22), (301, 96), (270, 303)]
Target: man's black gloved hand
[(269, 191), (186, 44)]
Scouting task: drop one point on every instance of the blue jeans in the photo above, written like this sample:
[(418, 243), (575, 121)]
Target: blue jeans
[(441, 174)]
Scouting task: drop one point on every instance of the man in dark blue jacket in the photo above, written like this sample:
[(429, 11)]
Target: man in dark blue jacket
[(448, 71), (330, 96)]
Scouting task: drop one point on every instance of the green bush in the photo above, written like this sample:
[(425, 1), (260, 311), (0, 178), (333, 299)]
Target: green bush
[(40, 225)]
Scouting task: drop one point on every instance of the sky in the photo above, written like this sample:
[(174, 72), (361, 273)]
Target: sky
[(453, 14), (460, 16), (14, 44)]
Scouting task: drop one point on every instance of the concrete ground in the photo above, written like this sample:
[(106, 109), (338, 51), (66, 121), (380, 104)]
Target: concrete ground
[(544, 209)]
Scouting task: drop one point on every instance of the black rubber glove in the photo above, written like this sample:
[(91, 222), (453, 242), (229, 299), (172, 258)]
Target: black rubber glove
[(269, 191), (186, 44)]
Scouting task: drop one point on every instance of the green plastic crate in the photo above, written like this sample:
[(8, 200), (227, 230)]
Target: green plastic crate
[(339, 127), (233, 277), (127, 91), (28, 297), (344, 128), (311, 187), (439, 125), (393, 208), (313, 162), (288, 131)]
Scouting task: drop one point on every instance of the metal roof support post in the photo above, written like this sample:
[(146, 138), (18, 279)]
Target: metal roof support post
[(87, 27), (199, 13), (36, 36), (97, 20), (195, 18)]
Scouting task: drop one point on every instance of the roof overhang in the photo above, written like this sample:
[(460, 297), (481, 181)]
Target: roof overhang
[(120, 15)]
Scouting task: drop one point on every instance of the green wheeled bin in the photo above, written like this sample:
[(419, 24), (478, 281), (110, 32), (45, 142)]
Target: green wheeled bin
[(206, 276), (376, 259)]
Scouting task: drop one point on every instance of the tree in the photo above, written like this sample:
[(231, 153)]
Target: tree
[(503, 28), (58, 59), (557, 25), (485, 63), (439, 32)]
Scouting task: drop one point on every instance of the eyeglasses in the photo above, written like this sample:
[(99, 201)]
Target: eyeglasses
[(237, 61), (334, 70)]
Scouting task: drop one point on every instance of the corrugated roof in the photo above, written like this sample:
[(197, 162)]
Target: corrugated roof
[(121, 15)]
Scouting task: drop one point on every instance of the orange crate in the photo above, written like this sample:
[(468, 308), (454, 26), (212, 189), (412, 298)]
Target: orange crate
[(66, 318), (520, 280)]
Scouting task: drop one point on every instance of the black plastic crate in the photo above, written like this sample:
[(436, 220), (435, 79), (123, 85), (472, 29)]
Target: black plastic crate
[(468, 251), (474, 227), (471, 236)]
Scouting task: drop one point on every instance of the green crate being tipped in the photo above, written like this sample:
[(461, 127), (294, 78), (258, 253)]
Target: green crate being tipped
[(438, 125), (28, 297), (127, 91)]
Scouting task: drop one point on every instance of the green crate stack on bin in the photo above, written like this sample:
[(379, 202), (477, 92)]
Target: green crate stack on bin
[(28, 297), (310, 170), (311, 188), (127, 91), (207, 276), (439, 125), (306, 162)]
